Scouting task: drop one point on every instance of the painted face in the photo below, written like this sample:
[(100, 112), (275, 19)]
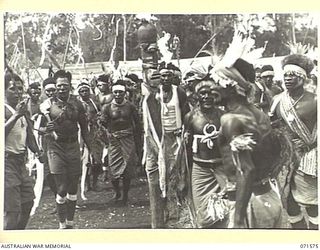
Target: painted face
[(84, 92), (208, 97), (63, 88), (35, 94), (50, 92), (103, 86), (292, 81), (119, 95)]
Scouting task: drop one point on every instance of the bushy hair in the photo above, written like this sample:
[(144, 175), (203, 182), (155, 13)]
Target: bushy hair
[(49, 80), (245, 69), (63, 74), (133, 77), (170, 66), (34, 85), (299, 60), (104, 78), (10, 76), (120, 82), (267, 68)]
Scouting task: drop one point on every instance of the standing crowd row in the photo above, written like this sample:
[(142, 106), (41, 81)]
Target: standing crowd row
[(223, 146)]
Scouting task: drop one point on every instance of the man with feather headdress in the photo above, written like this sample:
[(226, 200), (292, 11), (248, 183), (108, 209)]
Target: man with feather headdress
[(297, 110), (250, 151)]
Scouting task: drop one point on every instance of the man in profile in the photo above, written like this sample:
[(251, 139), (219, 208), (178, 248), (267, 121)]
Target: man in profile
[(249, 151)]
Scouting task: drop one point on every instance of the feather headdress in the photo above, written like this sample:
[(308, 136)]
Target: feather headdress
[(199, 76), (232, 69)]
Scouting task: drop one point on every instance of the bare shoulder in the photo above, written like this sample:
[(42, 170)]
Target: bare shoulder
[(310, 97), (231, 123), (236, 124), (189, 117)]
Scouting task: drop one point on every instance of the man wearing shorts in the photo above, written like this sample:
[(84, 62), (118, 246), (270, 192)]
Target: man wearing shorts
[(63, 150)]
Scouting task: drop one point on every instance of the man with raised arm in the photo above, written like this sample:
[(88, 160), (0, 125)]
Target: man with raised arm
[(18, 185)]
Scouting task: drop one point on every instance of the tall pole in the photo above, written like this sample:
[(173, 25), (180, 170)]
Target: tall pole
[(24, 49), (293, 29), (124, 37)]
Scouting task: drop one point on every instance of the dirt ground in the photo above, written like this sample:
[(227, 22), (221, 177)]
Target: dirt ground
[(98, 212)]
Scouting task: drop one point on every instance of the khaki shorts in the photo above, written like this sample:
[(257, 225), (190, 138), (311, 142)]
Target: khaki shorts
[(18, 184), (64, 157)]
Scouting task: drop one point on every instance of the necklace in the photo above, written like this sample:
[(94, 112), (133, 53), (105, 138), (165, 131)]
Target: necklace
[(291, 116), (296, 101), (207, 117)]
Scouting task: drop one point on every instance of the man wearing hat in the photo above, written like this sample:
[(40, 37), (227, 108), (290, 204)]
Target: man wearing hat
[(297, 110), (163, 123), (121, 120), (202, 129), (92, 108), (248, 149)]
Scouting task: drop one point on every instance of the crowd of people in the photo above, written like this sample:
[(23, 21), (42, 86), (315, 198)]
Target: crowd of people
[(212, 142)]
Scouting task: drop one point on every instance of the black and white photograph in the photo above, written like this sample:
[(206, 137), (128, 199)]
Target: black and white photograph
[(160, 121)]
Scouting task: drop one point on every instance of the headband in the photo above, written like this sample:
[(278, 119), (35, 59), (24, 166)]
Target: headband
[(162, 71), (50, 86), (299, 71), (83, 85), (118, 87), (200, 85), (267, 73)]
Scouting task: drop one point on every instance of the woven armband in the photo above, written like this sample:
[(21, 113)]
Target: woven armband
[(240, 143)]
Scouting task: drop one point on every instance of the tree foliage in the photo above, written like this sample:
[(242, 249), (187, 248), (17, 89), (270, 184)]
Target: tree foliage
[(91, 37)]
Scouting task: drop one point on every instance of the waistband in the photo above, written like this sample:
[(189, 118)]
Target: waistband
[(68, 139), (261, 188), (257, 189), (212, 162), (299, 172), (11, 154)]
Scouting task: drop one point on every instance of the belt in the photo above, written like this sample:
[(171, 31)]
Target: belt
[(207, 163), (299, 172), (261, 188), (67, 139), (257, 189), (10, 154)]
